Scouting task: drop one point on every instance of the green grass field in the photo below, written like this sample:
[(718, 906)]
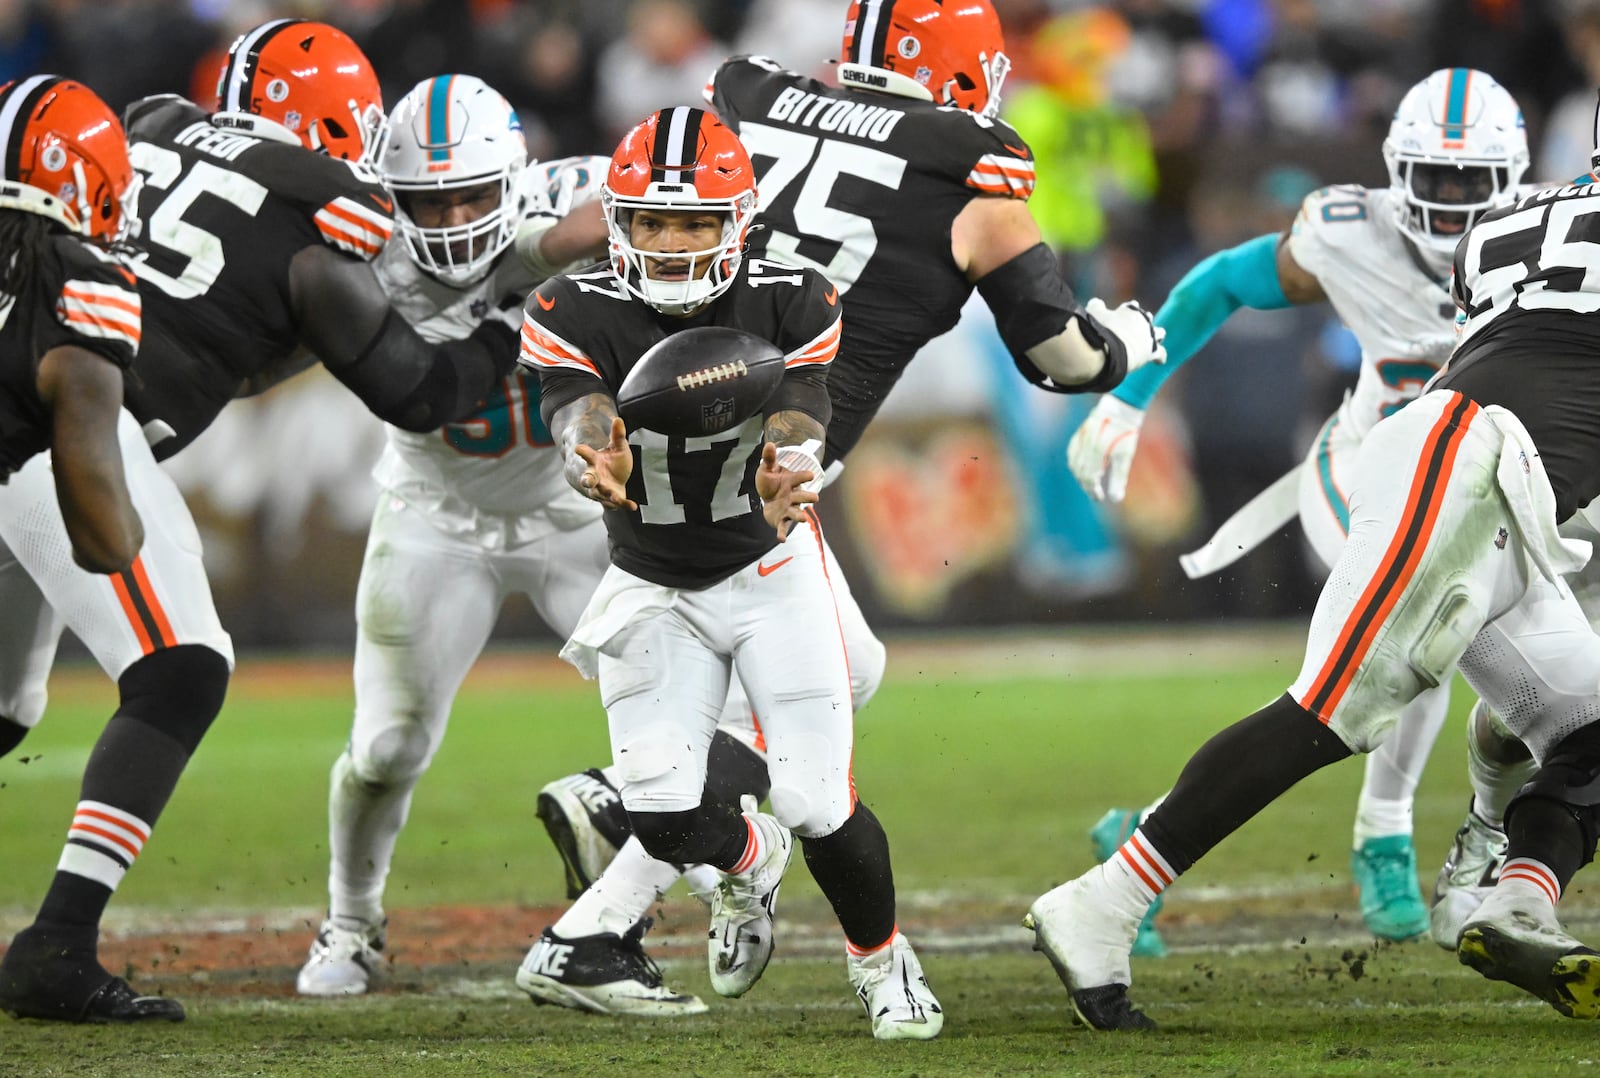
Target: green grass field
[(986, 766)]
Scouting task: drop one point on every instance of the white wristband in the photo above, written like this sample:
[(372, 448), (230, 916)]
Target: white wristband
[(803, 458)]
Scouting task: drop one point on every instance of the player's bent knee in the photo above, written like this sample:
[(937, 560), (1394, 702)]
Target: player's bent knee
[(178, 690), (1453, 626), (868, 659), (651, 753), (398, 753)]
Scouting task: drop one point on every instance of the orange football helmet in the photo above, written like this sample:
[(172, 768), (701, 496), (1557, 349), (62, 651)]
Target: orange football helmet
[(679, 159), (947, 53), (66, 158), (297, 81)]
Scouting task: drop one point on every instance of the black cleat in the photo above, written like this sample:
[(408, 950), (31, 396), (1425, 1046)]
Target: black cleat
[(56, 975), (1567, 978), (1107, 1007), (584, 818)]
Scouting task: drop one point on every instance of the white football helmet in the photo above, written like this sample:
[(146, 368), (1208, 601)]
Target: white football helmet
[(1456, 149), (447, 134)]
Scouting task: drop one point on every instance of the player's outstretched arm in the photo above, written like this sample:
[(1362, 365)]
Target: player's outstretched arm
[(346, 320), (594, 445), (790, 474), (83, 392), (1056, 344), (1259, 273)]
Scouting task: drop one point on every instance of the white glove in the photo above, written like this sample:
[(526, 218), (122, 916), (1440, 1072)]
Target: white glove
[(1101, 452), (1132, 325)]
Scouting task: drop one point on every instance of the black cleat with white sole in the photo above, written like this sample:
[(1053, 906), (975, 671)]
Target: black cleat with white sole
[(604, 974), (55, 974)]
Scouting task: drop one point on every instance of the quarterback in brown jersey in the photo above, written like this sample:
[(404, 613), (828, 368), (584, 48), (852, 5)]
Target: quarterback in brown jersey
[(717, 563)]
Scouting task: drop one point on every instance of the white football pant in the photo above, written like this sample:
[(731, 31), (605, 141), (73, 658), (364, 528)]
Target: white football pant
[(162, 601)]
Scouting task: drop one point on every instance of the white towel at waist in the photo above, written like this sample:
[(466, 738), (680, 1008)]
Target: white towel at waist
[(1522, 479), (622, 599)]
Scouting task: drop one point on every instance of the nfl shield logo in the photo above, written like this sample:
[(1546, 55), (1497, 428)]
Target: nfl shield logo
[(717, 415)]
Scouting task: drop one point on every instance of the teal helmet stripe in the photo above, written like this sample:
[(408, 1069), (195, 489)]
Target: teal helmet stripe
[(1455, 104), (439, 118)]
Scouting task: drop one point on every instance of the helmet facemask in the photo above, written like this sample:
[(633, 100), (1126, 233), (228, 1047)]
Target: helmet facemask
[(454, 136), (710, 271), (1444, 199), (1455, 150)]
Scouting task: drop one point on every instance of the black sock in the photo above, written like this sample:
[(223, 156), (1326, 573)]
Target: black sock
[(1548, 832), (734, 769), (11, 735), (851, 867), (1235, 775), (134, 768)]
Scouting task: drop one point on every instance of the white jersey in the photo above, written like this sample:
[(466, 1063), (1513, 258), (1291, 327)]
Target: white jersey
[(496, 474), (1399, 308)]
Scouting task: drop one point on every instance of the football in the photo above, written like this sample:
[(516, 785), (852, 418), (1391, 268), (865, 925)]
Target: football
[(700, 382)]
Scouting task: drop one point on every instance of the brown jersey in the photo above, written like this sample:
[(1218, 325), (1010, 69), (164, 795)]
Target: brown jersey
[(865, 187), (699, 519), (82, 297), (223, 214)]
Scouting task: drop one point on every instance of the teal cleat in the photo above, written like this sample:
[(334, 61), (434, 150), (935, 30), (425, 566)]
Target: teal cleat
[(1385, 873), (1107, 837)]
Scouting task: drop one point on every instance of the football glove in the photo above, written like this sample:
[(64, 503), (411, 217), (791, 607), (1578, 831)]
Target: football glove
[(1132, 325), (1101, 452)]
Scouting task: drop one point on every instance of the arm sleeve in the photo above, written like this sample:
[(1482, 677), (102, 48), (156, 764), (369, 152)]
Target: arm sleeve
[(559, 387), (1242, 276), (803, 389), (346, 320)]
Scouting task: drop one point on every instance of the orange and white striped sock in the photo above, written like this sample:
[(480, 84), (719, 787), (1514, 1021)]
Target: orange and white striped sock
[(1535, 874), (1139, 868), (102, 843), (754, 847)]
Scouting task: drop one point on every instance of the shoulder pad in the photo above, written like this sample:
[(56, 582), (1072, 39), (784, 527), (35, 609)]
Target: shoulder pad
[(98, 300), (1329, 212), (145, 118), (551, 325), (727, 90), (351, 209), (997, 160)]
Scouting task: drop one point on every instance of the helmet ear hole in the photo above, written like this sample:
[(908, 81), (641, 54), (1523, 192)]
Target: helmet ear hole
[(964, 81), (334, 128)]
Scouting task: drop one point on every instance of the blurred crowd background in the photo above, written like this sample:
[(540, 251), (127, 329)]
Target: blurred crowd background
[(1164, 130)]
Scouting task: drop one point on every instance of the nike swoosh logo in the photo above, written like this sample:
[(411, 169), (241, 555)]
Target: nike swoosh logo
[(547, 304), (833, 296), (1020, 151), (768, 570), (384, 204)]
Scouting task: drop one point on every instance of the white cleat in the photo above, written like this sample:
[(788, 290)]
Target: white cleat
[(1467, 878), (1515, 937), (345, 957), (1088, 942), (894, 990), (604, 974), (740, 942)]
